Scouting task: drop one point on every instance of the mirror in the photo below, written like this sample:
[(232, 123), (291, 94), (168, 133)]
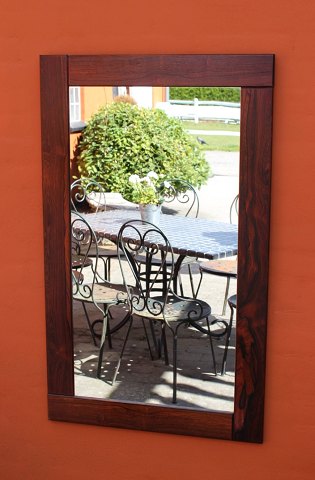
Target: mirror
[(213, 130), (254, 73)]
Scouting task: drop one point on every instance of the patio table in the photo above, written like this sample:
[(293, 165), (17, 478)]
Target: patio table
[(189, 237), (193, 237)]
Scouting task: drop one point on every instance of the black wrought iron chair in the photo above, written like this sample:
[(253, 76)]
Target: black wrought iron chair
[(87, 190), (222, 267), (232, 302), (87, 287), (182, 194), (154, 299), (182, 199)]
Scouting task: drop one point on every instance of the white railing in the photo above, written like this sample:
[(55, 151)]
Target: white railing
[(201, 110)]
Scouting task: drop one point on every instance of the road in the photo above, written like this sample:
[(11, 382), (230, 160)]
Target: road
[(217, 195)]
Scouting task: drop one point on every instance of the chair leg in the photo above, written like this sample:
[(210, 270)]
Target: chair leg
[(122, 351), (191, 282), (109, 330), (89, 323), (108, 333), (211, 346), (164, 343), (174, 366), (199, 284), (226, 295), (227, 341), (155, 342), (147, 337), (102, 344), (106, 264), (108, 268), (180, 283)]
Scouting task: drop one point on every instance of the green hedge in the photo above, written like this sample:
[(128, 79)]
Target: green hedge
[(220, 94)]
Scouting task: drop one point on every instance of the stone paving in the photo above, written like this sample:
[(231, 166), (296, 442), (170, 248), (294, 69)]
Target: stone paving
[(150, 381)]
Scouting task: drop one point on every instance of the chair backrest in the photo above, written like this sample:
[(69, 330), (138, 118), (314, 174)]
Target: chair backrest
[(234, 210), (86, 280), (87, 190), (82, 239), (153, 280), (183, 196)]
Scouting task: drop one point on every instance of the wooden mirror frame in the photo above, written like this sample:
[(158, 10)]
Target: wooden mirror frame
[(254, 73)]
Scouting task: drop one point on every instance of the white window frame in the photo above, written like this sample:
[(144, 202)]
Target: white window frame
[(74, 104)]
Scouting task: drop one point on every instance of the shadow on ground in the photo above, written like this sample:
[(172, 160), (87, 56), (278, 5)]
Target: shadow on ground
[(144, 380)]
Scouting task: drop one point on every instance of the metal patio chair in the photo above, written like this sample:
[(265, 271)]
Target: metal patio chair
[(154, 299), (232, 302), (87, 190), (183, 197), (222, 267), (87, 288)]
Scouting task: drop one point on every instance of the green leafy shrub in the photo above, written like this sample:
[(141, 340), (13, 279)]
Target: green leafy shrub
[(219, 94), (122, 139)]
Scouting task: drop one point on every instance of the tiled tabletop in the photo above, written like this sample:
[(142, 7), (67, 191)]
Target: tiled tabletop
[(194, 237)]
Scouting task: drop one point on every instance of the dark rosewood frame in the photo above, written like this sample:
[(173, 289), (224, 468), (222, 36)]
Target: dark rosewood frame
[(254, 73)]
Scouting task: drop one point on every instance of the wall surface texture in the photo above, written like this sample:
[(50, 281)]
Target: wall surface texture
[(31, 447)]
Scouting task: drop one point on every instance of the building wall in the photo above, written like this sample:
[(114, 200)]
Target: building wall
[(93, 98), (158, 95), (31, 447)]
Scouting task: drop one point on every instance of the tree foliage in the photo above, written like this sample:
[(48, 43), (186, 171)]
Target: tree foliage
[(122, 139)]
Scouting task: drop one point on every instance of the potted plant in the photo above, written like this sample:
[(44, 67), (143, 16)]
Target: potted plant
[(149, 193)]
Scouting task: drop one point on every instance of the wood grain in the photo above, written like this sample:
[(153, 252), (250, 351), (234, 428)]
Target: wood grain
[(55, 163), (140, 417), (177, 70), (255, 73), (253, 256)]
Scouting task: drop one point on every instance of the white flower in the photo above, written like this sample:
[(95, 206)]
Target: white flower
[(134, 179), (148, 181), (153, 175), (167, 184)]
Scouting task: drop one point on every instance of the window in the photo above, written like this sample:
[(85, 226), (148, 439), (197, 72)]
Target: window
[(75, 104)]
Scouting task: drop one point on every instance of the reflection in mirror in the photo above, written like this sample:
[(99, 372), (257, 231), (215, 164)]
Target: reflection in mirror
[(205, 236)]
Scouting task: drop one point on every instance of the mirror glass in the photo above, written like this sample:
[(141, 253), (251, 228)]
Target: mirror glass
[(213, 126)]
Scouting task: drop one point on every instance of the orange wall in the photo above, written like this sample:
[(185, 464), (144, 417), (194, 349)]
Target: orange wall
[(158, 95), (93, 98), (31, 447)]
